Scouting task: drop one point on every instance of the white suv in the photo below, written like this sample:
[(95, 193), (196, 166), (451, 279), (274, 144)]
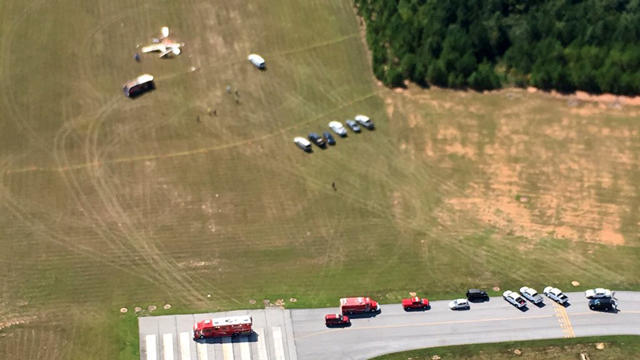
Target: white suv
[(556, 295), (338, 128), (531, 295), (598, 293)]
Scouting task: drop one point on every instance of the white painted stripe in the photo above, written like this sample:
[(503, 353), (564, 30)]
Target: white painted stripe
[(202, 351), (278, 347), (262, 344), (185, 342), (245, 350), (152, 354), (227, 348), (167, 346)]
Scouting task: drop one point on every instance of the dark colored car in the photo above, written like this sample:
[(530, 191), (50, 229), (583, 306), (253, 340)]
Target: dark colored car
[(603, 304), (477, 295), (317, 139), (331, 320), (329, 138)]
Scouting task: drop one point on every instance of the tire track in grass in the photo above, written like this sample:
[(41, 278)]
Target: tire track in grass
[(112, 238), (126, 231), (67, 167), (9, 98)]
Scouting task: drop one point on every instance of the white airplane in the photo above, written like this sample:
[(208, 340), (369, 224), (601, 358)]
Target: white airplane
[(164, 45)]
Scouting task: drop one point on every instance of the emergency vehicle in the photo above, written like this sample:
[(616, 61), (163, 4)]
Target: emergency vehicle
[(358, 305), (415, 303), (227, 326), (336, 320)]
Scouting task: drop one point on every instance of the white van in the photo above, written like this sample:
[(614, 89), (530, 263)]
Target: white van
[(302, 143), (257, 61)]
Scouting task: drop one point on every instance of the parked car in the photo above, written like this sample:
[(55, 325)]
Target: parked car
[(353, 125), (257, 61), (415, 303), (459, 304), (338, 128), (556, 295), (603, 304), (477, 295), (317, 139), (336, 320), (531, 295), (329, 138), (514, 299), (302, 143), (364, 121), (598, 293)]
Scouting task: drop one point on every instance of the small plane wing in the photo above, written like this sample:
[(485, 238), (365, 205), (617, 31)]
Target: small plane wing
[(154, 47)]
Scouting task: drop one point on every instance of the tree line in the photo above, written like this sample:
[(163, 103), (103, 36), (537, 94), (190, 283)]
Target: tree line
[(566, 45)]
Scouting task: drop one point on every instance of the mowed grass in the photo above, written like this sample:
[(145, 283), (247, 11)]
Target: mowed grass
[(612, 348), (109, 202)]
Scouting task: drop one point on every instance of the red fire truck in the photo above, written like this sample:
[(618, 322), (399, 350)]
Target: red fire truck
[(358, 305), (228, 326)]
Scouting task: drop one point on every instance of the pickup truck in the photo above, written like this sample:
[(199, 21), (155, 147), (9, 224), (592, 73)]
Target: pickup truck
[(514, 299), (415, 303)]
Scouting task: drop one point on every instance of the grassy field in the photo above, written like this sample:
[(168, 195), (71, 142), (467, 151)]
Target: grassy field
[(611, 348), (596, 348), (110, 203)]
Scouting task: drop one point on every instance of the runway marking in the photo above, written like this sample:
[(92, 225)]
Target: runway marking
[(245, 350), (202, 351), (227, 348), (426, 324), (167, 346), (262, 344), (277, 343), (150, 341), (563, 320), (185, 342)]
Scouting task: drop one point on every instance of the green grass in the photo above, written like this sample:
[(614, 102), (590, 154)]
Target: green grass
[(107, 202), (615, 347)]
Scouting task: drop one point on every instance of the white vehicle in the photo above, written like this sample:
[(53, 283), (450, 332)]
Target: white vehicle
[(302, 143), (257, 61), (531, 295), (514, 299), (459, 304), (556, 295), (364, 121), (338, 128), (598, 293), (139, 85)]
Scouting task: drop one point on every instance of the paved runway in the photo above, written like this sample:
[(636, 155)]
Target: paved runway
[(291, 334), (494, 321), (171, 338)]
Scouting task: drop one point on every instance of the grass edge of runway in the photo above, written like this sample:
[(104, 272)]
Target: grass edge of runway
[(615, 347)]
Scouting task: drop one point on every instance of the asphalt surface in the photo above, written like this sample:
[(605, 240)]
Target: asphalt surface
[(170, 337), (290, 334), (493, 321)]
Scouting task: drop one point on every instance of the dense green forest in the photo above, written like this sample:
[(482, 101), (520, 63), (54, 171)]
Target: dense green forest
[(566, 45)]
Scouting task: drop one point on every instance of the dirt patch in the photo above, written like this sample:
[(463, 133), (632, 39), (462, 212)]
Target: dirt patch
[(611, 236), (16, 321), (388, 102), (571, 161)]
